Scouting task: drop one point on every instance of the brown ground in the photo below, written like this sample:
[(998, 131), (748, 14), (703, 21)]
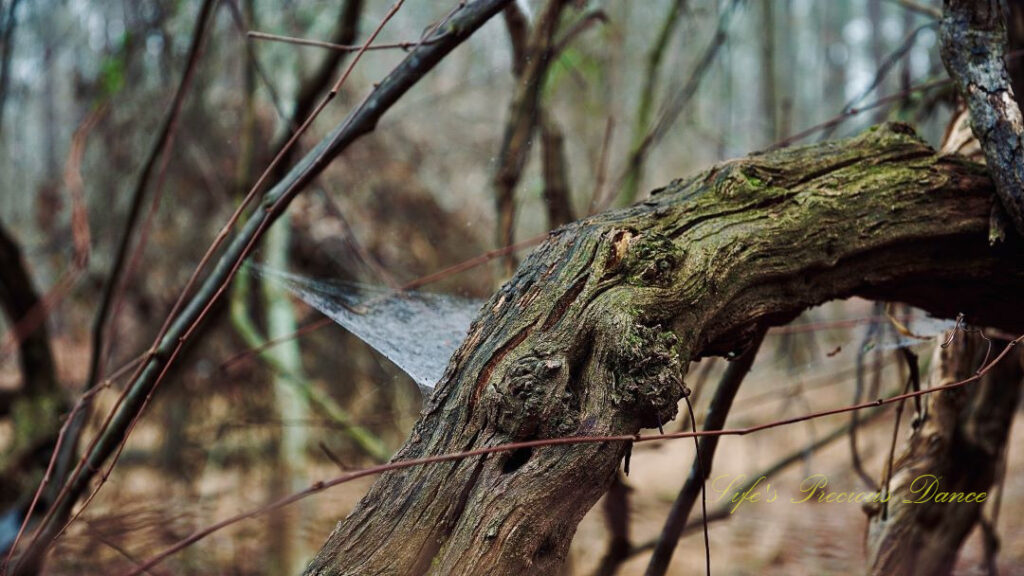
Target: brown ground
[(141, 510)]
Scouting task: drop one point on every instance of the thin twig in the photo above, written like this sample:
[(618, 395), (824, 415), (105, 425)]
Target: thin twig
[(919, 7), (530, 68), (704, 470), (883, 70), (913, 382), (580, 26), (65, 449), (100, 333), (263, 225), (676, 103), (868, 343), (179, 327), (597, 197), (10, 24), (843, 116), (726, 509), (37, 314), (562, 441), (721, 403), (338, 47), (254, 63), (616, 514), (642, 118)]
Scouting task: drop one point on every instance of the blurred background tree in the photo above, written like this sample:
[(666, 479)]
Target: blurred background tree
[(637, 94)]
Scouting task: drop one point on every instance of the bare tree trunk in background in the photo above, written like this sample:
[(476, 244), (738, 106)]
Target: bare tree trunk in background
[(555, 169), (769, 100), (530, 68), (593, 333), (201, 304), (288, 553), (645, 107), (877, 49), (249, 128), (957, 448), (835, 51), (726, 113), (10, 24), (35, 407), (787, 54), (292, 407)]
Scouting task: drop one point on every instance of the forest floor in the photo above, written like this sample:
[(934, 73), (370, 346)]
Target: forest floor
[(143, 509)]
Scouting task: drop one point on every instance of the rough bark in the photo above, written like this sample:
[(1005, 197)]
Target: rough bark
[(593, 333), (974, 43), (959, 445), (700, 470)]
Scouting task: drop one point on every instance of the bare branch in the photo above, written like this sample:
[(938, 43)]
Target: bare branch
[(337, 47), (700, 471), (361, 121), (524, 110), (973, 49)]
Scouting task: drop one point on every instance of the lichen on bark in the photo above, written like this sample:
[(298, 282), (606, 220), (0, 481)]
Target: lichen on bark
[(593, 333)]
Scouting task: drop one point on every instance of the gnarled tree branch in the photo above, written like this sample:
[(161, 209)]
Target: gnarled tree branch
[(592, 334)]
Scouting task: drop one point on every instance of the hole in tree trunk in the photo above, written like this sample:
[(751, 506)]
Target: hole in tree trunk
[(517, 460), (546, 549)]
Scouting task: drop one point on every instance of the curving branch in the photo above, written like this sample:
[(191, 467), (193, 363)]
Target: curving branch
[(974, 49), (956, 448), (362, 120), (700, 470), (593, 333)]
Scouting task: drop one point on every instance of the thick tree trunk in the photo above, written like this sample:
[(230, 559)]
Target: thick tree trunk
[(956, 450), (594, 332)]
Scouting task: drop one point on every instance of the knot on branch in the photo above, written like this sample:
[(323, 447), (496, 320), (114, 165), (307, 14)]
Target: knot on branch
[(533, 400), (648, 377), (652, 259)]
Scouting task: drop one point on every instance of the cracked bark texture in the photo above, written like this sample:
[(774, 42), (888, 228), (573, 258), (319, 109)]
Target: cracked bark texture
[(593, 333), (959, 443), (974, 43)]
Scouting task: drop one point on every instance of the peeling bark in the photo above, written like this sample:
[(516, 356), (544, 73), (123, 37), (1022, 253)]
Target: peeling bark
[(974, 49), (593, 333), (956, 449)]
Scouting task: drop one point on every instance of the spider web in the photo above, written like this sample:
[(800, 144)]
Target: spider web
[(417, 331)]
